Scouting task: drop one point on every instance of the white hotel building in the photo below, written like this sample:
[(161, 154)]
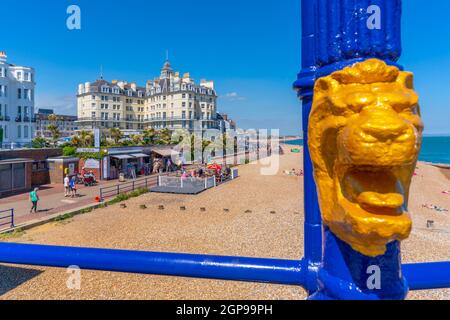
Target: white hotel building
[(170, 101), (16, 103)]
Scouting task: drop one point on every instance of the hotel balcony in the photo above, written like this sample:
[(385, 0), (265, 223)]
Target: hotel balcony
[(157, 123)]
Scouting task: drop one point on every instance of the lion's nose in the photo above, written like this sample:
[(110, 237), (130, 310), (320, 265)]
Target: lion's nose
[(385, 126)]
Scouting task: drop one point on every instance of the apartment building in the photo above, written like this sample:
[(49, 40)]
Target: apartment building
[(17, 85), (65, 123)]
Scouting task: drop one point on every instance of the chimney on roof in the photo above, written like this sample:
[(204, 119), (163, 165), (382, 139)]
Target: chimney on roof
[(3, 56)]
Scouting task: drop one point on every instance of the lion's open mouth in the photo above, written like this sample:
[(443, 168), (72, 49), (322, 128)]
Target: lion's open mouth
[(376, 190)]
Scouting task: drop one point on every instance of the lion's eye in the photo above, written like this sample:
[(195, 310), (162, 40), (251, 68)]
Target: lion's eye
[(359, 100), (401, 101), (415, 110)]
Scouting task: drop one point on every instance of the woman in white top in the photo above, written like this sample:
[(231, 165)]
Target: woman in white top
[(66, 186)]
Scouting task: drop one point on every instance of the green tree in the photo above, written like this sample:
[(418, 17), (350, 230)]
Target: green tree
[(137, 139), (39, 143), (149, 136), (54, 129), (84, 139), (164, 136), (116, 134)]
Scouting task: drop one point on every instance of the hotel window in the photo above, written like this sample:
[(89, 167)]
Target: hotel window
[(25, 131), (183, 114), (27, 76), (19, 131), (2, 72), (183, 104), (19, 76), (19, 93), (183, 95)]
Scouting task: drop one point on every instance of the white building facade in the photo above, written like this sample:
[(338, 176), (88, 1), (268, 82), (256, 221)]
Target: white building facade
[(17, 89), (169, 102)]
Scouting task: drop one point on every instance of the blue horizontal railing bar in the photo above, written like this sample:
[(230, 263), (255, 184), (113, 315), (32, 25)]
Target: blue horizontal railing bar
[(427, 276), (288, 272)]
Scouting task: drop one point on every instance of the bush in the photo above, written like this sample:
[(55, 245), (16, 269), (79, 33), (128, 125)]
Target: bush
[(69, 151), (39, 143)]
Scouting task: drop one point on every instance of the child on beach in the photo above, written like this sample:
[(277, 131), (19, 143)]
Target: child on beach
[(34, 198)]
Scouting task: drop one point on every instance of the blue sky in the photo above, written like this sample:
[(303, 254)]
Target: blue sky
[(251, 48)]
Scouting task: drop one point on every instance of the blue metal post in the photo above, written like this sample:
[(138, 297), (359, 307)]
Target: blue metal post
[(335, 35)]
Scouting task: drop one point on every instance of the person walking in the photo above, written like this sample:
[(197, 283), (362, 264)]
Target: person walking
[(73, 187), (34, 198), (66, 186)]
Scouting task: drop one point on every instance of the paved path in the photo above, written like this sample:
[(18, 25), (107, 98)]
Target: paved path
[(52, 201)]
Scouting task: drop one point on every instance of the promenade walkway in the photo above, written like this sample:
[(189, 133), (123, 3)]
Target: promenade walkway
[(52, 201)]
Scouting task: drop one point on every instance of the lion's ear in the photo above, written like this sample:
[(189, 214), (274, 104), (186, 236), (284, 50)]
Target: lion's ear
[(406, 79), (324, 85)]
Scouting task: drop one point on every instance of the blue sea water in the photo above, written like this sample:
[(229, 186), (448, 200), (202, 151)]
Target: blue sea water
[(434, 149)]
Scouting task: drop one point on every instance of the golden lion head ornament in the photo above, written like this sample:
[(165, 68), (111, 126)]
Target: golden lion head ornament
[(365, 134)]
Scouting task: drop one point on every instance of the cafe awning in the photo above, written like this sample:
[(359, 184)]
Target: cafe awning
[(122, 156), (165, 152), (140, 155)]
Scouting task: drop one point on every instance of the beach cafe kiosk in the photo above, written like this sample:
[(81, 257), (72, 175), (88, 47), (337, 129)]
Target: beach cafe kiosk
[(116, 161)]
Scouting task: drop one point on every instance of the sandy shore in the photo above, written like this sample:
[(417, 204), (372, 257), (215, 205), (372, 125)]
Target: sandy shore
[(258, 233), (446, 172)]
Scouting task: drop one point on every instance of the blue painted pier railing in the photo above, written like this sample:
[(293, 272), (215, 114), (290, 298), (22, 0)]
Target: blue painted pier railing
[(334, 35)]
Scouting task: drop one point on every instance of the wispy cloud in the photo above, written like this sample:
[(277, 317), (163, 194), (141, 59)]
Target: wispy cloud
[(234, 96), (65, 104)]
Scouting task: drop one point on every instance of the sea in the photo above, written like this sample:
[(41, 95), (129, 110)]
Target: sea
[(435, 149)]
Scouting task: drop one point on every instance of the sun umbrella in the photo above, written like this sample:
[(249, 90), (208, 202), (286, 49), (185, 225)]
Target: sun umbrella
[(215, 166)]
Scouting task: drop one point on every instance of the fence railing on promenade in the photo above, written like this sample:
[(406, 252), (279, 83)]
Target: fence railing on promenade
[(7, 218), (126, 187)]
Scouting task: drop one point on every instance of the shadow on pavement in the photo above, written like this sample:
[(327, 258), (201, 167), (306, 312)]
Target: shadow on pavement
[(12, 277)]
